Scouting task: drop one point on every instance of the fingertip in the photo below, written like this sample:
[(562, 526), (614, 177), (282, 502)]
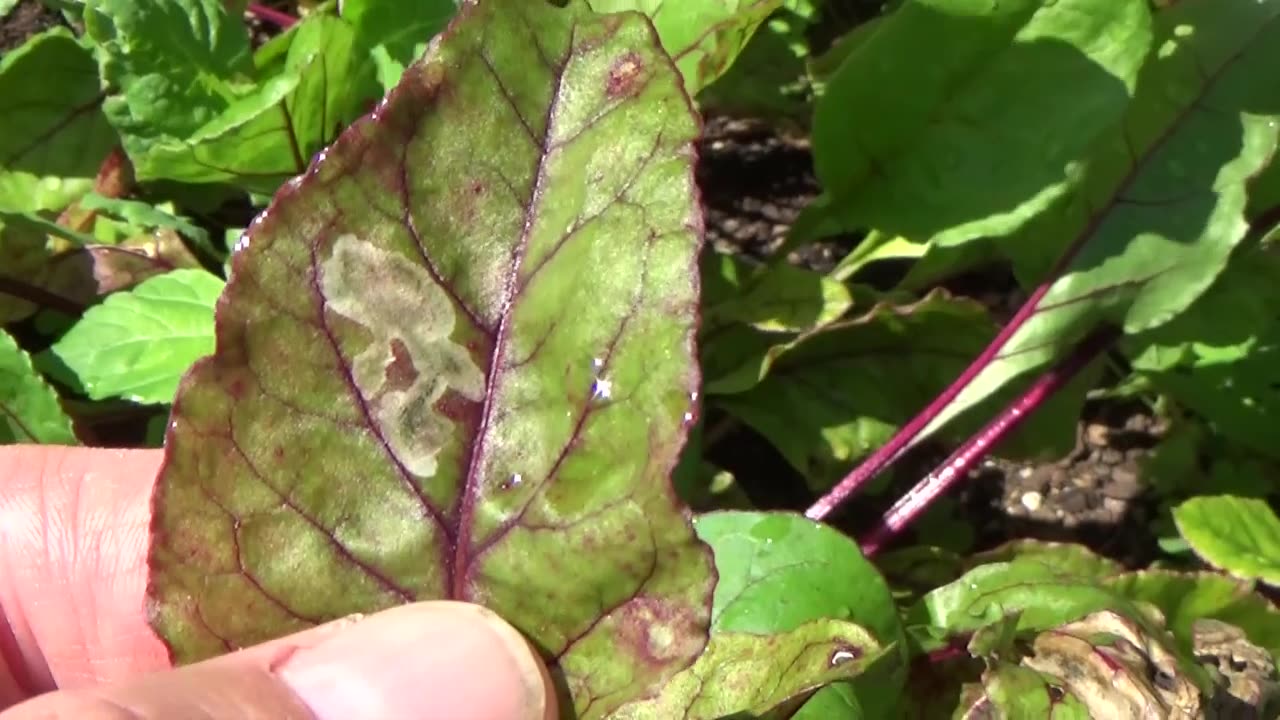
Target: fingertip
[(431, 660)]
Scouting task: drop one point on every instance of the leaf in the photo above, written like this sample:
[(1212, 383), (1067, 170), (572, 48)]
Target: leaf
[(393, 33), (323, 56), (137, 344), (29, 409), (702, 36), (1041, 596), (188, 101), (1020, 692), (768, 79), (754, 674), (778, 571), (455, 359), (1221, 358), (144, 216), (1158, 210), (983, 139), (1184, 598), (53, 135), (1062, 558), (772, 298), (1239, 535), (835, 394), (174, 66)]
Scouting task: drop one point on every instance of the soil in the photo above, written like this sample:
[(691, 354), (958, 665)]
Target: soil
[(754, 181), (27, 18)]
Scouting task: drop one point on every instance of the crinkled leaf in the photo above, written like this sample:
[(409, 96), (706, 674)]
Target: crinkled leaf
[(53, 135), (777, 571), (454, 360), (702, 36), (137, 344), (757, 674), (173, 66), (1159, 208), (1184, 598), (1116, 667), (29, 409), (188, 104), (980, 135), (1240, 535), (835, 394), (390, 34)]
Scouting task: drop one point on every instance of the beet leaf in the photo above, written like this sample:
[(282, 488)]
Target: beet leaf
[(455, 360)]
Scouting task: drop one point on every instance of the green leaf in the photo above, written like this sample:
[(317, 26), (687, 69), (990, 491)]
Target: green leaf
[(1158, 209), (1184, 598), (1020, 692), (188, 101), (771, 298), (757, 674), (703, 37), (769, 77), (777, 571), (1221, 358), (1239, 535), (456, 358), (391, 34), (53, 134), (144, 216), (136, 345), (835, 394), (29, 409), (1040, 595), (173, 66), (976, 135), (1062, 558)]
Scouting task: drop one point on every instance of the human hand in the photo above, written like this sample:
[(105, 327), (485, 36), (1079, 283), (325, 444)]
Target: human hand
[(74, 642)]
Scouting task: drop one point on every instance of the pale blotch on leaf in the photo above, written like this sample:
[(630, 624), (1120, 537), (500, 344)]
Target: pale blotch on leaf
[(412, 361)]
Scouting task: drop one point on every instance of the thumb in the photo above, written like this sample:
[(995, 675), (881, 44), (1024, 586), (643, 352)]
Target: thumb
[(426, 661)]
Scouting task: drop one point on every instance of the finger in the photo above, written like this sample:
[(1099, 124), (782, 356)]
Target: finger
[(428, 661), (73, 538)]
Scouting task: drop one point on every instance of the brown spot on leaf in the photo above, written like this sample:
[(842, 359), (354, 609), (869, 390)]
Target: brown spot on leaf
[(400, 372), (624, 76)]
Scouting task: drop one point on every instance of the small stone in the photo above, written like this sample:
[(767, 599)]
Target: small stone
[(1032, 500), (1025, 472), (1073, 501), (1124, 483), (1137, 423), (1114, 507), (1096, 434), (1085, 479), (1111, 456)]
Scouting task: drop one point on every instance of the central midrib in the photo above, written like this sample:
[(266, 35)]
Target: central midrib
[(470, 485)]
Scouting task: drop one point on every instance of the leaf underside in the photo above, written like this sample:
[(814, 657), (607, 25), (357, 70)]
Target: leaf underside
[(455, 358)]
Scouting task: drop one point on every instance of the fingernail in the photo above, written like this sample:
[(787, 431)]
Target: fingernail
[(425, 661)]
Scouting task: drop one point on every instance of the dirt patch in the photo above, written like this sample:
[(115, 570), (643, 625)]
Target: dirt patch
[(27, 18)]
